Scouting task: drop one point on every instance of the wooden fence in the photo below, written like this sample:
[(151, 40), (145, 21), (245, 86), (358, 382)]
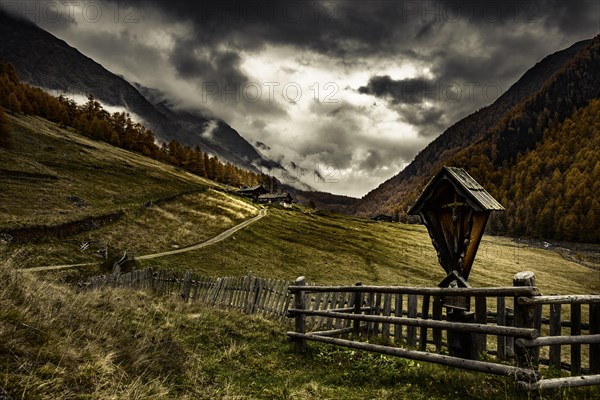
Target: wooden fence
[(250, 294), (508, 324), (475, 327)]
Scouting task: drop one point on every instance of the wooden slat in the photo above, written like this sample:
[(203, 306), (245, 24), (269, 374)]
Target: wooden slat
[(332, 304), (333, 332), (358, 302), (322, 322), (501, 321), (318, 299), (258, 287), (341, 303), (377, 311), (264, 294), (481, 318), (234, 291), (288, 299), (282, 296), (555, 330), (209, 289), (387, 306), (275, 298), (437, 316), (300, 320), (264, 302), (412, 313), (347, 324), (398, 313), (196, 287), (242, 293), (423, 329), (248, 283), (268, 296), (594, 329), (371, 304)]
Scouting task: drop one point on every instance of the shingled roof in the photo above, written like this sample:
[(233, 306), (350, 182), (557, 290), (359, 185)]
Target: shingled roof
[(251, 188), (465, 185)]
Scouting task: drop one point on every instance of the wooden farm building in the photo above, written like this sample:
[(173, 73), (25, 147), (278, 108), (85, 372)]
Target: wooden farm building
[(253, 192), (276, 198), (383, 218)]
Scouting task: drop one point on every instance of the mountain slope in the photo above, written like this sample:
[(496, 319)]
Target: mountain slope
[(216, 134), (394, 191), (48, 62), (495, 136)]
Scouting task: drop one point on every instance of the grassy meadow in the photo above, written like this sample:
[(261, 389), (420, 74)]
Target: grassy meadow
[(334, 249), (56, 342)]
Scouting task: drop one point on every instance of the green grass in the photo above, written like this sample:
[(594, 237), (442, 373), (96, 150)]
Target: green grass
[(107, 344), (335, 249), (105, 178), (184, 221), (57, 343)]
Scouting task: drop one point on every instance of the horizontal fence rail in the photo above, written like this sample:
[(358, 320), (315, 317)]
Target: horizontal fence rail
[(432, 291)]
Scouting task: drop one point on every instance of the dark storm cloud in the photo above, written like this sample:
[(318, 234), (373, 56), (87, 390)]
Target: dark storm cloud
[(205, 64), (352, 31), (408, 96), (343, 27), (409, 91), (568, 16)]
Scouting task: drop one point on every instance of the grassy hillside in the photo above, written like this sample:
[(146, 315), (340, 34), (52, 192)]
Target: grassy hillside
[(52, 177), (331, 248), (57, 343)]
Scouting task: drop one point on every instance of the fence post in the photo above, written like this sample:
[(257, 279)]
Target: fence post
[(525, 318), (299, 304), (357, 311)]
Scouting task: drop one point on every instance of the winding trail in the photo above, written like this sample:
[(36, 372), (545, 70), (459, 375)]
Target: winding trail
[(220, 237)]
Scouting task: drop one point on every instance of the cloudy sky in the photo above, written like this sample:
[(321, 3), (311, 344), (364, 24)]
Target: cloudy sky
[(352, 88)]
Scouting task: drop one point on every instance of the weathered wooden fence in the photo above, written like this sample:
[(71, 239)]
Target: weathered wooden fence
[(249, 294), (507, 323), (476, 327)]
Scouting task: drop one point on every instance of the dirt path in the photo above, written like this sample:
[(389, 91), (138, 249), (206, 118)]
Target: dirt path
[(211, 241)]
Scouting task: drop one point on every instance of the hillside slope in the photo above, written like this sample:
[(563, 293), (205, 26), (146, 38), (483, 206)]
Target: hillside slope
[(60, 190), (48, 62), (515, 124)]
